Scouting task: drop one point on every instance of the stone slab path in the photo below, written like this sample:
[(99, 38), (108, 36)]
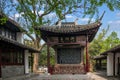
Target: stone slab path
[(62, 77), (88, 76)]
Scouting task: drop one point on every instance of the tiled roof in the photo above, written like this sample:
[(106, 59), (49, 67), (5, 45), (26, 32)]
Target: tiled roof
[(114, 49), (99, 57), (69, 28), (15, 43), (12, 22)]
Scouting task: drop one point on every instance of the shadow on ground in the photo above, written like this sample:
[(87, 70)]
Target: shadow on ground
[(104, 75)]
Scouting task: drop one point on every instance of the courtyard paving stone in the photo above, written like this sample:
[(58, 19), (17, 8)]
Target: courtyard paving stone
[(62, 77), (88, 76)]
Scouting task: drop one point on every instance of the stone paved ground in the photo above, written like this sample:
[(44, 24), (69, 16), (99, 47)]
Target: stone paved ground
[(88, 76), (62, 77), (96, 76), (101, 75)]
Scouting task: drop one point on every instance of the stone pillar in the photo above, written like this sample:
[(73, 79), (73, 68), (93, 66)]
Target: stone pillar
[(110, 64), (26, 62)]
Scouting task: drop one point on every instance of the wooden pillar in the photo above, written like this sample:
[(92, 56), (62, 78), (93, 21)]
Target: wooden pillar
[(31, 60), (96, 65), (100, 66), (48, 58), (118, 70), (0, 63), (113, 64), (82, 55), (87, 57), (56, 56)]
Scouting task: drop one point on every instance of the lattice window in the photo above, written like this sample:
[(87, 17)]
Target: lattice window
[(69, 56)]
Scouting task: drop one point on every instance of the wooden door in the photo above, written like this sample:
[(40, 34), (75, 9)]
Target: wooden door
[(0, 63)]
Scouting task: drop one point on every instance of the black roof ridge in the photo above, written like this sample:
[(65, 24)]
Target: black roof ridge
[(16, 43), (13, 22)]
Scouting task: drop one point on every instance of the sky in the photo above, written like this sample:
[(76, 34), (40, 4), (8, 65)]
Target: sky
[(111, 18)]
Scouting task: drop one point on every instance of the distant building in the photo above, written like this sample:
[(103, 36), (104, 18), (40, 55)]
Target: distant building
[(113, 61), (14, 55), (69, 40)]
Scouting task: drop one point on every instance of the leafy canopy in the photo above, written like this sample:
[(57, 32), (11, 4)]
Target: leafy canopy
[(102, 43)]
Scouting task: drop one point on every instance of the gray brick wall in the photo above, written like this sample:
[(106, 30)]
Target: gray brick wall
[(11, 71)]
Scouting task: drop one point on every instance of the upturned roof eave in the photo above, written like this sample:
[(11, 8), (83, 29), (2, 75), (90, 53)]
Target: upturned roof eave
[(69, 29)]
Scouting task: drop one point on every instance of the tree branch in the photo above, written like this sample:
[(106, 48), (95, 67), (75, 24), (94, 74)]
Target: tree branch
[(29, 36), (42, 47), (50, 9)]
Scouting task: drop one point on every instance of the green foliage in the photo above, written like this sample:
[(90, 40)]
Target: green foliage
[(43, 57), (102, 43), (111, 41), (3, 20), (31, 9), (95, 45)]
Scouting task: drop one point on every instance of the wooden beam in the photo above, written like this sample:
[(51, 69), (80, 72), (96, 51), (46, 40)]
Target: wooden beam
[(73, 43)]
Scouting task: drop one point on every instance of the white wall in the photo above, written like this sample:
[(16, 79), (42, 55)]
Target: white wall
[(19, 37), (110, 64), (27, 54)]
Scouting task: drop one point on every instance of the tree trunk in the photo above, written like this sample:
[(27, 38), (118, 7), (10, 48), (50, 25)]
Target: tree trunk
[(36, 58)]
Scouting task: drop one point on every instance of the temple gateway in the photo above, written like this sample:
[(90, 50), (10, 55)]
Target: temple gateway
[(70, 41)]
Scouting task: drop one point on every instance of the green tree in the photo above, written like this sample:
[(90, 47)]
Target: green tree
[(43, 55), (96, 45), (102, 43), (111, 41)]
